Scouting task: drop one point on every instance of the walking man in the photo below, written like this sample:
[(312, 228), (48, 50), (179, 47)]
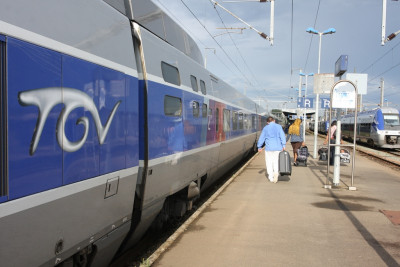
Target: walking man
[(274, 138)]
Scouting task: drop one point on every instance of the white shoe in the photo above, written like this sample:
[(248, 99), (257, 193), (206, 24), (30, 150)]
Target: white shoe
[(276, 175)]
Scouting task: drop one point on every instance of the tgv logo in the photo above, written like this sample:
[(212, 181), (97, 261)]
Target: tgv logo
[(47, 98)]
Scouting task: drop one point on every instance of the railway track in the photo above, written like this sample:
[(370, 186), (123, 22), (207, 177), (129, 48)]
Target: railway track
[(388, 156), (391, 157), (395, 153)]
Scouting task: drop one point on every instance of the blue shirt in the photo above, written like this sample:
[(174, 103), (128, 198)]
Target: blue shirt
[(273, 137)]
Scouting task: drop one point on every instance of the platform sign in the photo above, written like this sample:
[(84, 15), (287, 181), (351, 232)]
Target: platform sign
[(341, 65), (325, 102), (343, 95), (323, 83), (305, 102), (360, 80)]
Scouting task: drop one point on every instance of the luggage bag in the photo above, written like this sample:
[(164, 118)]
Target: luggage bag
[(302, 154), (285, 165), (323, 153), (344, 156)]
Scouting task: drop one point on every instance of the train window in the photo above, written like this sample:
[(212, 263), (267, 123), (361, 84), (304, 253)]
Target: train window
[(240, 121), (193, 81), (227, 120), (263, 121), (196, 109), (170, 73), (172, 106), (235, 121), (391, 119), (204, 110), (217, 120), (203, 87), (3, 119), (253, 121), (365, 127)]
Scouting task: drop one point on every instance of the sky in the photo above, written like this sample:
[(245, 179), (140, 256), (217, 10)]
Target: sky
[(270, 74)]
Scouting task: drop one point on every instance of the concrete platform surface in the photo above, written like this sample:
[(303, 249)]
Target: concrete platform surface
[(296, 222)]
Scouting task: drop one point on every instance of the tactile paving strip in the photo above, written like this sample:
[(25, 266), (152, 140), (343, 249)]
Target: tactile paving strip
[(393, 216)]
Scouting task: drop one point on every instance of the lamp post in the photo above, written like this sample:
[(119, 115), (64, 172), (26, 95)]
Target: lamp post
[(314, 31), (305, 109)]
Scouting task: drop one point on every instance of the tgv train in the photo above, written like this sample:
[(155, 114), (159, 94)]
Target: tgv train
[(379, 127), (109, 123)]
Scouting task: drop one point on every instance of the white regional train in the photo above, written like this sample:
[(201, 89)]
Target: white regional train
[(378, 127), (109, 122)]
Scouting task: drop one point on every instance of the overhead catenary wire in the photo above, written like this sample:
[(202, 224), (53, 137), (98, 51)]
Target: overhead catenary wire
[(234, 43), (194, 35), (311, 38), (291, 44), (223, 50), (379, 75), (263, 35), (381, 57)]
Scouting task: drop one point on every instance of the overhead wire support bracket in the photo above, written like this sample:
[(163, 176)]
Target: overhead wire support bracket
[(227, 32), (263, 35), (391, 36)]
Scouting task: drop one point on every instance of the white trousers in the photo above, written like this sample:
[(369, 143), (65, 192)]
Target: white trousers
[(272, 163)]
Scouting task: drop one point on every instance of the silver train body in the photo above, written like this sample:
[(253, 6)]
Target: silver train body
[(109, 123)]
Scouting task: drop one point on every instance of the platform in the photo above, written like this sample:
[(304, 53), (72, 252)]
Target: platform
[(295, 222)]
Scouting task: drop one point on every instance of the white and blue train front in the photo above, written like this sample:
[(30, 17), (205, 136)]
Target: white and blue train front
[(378, 127)]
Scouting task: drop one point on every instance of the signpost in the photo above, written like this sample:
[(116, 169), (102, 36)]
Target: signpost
[(361, 81), (343, 95), (322, 85), (341, 65)]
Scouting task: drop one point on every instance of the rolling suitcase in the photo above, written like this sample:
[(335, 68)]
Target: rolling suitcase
[(285, 165), (344, 156), (323, 153), (302, 155)]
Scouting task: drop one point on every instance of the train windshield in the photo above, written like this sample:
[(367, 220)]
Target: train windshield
[(391, 120)]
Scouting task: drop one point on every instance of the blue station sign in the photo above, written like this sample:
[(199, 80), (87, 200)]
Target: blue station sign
[(325, 102), (305, 102)]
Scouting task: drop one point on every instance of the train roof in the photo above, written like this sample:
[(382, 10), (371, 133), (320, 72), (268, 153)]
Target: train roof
[(384, 110), (369, 116), (154, 19)]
